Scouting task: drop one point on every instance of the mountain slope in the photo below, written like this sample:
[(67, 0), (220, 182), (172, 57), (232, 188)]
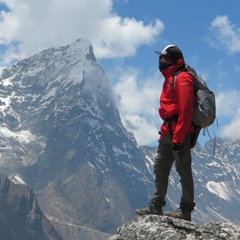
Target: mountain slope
[(62, 133)]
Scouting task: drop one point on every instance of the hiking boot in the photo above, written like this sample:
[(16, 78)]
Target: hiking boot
[(152, 209), (180, 213)]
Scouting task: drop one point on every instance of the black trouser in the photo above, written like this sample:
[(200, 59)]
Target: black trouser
[(162, 167)]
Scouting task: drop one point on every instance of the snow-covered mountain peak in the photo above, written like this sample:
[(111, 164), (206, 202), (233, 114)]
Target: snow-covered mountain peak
[(47, 86), (63, 65)]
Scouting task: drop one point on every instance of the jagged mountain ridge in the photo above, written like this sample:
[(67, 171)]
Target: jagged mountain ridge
[(62, 133)]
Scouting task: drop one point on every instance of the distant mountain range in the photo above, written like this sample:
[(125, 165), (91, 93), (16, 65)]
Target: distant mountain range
[(62, 135)]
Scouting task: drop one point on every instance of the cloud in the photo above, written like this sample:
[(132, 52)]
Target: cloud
[(138, 103), (31, 26), (232, 130), (227, 103), (224, 34), (228, 107), (122, 37)]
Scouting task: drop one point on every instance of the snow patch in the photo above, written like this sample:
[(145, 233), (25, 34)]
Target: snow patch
[(6, 102), (220, 189), (91, 165), (18, 180), (22, 136), (6, 82)]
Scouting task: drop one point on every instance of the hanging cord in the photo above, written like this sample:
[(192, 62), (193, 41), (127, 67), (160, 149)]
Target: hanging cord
[(214, 139)]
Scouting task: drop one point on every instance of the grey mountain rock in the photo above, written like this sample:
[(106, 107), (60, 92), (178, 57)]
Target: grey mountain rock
[(153, 227), (20, 215)]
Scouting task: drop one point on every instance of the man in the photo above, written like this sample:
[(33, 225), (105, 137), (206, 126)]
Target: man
[(178, 135)]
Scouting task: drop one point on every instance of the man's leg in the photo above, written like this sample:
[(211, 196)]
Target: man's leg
[(162, 168), (184, 169)]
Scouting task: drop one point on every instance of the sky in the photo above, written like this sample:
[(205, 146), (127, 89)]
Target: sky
[(124, 35)]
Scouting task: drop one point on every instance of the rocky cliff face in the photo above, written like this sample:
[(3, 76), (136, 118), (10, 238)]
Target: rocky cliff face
[(20, 215), (162, 227)]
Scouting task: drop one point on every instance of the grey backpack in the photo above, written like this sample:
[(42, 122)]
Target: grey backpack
[(204, 100)]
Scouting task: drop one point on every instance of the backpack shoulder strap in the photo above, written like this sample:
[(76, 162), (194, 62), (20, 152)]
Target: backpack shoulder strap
[(176, 74)]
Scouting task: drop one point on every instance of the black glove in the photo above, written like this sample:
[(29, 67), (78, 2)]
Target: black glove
[(176, 147)]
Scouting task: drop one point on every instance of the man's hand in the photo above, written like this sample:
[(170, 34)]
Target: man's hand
[(176, 147)]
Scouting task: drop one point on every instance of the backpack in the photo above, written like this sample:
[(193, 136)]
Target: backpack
[(204, 100)]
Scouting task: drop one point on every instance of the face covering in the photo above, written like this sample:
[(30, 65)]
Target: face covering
[(163, 64)]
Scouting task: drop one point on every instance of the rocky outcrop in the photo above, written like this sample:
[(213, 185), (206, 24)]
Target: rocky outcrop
[(20, 215), (154, 227)]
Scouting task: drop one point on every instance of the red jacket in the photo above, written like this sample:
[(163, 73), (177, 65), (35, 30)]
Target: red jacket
[(177, 99)]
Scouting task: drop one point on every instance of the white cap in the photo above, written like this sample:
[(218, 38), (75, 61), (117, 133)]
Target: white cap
[(164, 51)]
